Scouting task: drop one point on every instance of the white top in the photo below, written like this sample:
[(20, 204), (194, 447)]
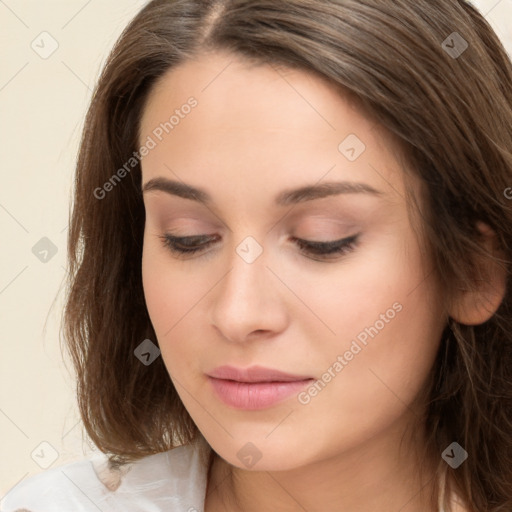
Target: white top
[(172, 481)]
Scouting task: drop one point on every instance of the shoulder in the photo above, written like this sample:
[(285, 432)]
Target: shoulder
[(51, 488), (173, 480)]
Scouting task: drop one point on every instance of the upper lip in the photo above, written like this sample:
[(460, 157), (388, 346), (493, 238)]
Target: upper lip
[(254, 374)]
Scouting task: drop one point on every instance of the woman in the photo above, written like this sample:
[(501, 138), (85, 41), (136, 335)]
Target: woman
[(290, 263)]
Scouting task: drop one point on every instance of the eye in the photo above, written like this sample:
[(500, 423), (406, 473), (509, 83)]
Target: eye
[(186, 244), (182, 246), (327, 250)]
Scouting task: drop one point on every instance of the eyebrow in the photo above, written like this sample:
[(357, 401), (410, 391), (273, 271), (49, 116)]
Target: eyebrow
[(284, 198)]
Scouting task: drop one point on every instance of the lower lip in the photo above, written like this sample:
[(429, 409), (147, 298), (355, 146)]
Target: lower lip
[(255, 395)]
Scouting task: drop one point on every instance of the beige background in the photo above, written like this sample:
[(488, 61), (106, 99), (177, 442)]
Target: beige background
[(42, 105)]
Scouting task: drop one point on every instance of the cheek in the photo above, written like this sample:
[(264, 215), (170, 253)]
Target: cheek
[(157, 293), (171, 297), (351, 295), (388, 323), (168, 291), (380, 383)]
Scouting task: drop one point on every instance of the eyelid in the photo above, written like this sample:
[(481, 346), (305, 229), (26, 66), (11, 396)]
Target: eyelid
[(324, 250)]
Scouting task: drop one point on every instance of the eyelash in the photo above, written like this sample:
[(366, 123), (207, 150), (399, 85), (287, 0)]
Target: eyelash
[(323, 250)]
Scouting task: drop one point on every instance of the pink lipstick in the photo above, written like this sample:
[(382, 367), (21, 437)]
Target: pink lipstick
[(255, 387)]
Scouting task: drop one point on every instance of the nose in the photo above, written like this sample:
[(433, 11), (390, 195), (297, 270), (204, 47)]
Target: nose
[(250, 301)]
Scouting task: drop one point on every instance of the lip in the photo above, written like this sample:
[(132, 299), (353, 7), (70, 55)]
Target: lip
[(255, 374), (255, 387)]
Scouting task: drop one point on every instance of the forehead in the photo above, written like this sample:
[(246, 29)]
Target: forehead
[(259, 127)]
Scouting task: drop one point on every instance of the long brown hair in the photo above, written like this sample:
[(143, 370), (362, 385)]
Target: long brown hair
[(449, 111)]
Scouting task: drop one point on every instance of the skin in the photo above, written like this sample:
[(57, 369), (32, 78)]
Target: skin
[(256, 131)]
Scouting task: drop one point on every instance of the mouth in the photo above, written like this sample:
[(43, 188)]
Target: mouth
[(255, 374), (257, 395)]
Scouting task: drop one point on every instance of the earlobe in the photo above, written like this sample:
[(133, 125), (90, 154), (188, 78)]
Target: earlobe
[(474, 307)]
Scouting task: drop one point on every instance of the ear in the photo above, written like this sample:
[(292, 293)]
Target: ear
[(477, 306)]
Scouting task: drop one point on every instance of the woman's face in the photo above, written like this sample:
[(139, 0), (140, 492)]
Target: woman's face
[(364, 324)]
